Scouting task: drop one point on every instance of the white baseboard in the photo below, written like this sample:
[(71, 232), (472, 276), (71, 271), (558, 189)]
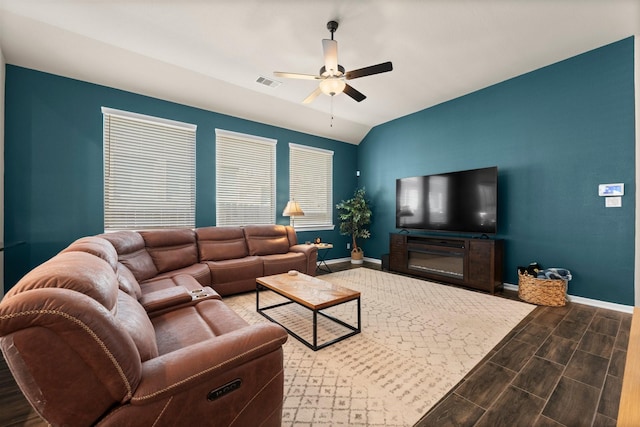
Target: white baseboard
[(338, 260), (587, 301)]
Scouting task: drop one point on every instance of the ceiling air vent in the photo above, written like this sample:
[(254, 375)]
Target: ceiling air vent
[(268, 82)]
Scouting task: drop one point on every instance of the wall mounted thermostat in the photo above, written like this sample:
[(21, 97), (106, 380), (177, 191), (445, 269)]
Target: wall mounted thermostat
[(613, 202), (611, 189)]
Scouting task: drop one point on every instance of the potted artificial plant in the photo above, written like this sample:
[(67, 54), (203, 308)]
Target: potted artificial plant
[(354, 215)]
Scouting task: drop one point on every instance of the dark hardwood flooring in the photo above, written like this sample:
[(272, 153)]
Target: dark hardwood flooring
[(561, 366), (14, 408)]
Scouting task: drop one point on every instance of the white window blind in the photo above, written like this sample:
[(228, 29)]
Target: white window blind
[(149, 172), (245, 179), (311, 185)]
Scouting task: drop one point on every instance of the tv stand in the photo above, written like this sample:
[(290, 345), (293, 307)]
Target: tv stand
[(474, 263)]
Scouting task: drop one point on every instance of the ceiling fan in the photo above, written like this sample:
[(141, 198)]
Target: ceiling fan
[(332, 75)]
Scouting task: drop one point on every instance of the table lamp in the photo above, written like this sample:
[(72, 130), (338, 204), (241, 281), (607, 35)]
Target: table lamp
[(293, 210)]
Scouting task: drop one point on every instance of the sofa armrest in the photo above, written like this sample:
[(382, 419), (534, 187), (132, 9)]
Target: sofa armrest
[(169, 297), (308, 250), (173, 297), (311, 252), (204, 293), (183, 369)]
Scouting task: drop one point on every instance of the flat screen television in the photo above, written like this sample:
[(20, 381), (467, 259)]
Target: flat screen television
[(462, 202)]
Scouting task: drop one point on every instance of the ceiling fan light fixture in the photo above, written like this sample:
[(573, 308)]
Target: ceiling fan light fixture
[(332, 75), (332, 86)]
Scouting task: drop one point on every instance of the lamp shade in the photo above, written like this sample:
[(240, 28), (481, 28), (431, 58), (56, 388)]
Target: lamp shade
[(292, 209)]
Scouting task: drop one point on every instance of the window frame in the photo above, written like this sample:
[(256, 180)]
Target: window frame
[(317, 167), (129, 135), (255, 172)]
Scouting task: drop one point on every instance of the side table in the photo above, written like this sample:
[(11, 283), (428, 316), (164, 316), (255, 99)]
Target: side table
[(323, 250)]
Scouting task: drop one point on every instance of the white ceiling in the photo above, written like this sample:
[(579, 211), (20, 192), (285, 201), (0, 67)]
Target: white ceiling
[(208, 54)]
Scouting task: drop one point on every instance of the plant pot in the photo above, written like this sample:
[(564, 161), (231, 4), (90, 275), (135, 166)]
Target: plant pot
[(357, 256)]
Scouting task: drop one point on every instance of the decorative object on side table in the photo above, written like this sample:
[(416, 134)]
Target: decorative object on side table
[(354, 215)]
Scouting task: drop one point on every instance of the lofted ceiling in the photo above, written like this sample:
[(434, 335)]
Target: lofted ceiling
[(209, 54)]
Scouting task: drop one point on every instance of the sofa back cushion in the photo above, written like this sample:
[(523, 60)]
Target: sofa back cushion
[(291, 235), (96, 246), (171, 249), (267, 239), (127, 282), (132, 253), (134, 319), (76, 271), (221, 243)]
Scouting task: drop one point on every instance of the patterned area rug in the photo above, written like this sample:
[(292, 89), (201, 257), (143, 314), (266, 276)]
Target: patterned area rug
[(418, 340)]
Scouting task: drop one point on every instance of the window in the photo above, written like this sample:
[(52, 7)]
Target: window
[(149, 172), (311, 185), (245, 179)]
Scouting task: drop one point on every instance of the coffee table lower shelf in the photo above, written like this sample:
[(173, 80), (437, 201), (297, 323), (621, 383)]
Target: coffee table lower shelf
[(314, 345)]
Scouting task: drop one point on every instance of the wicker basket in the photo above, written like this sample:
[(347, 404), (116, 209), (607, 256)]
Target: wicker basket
[(550, 292)]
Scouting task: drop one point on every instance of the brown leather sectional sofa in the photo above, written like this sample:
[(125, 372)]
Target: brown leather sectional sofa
[(226, 258), (129, 328)]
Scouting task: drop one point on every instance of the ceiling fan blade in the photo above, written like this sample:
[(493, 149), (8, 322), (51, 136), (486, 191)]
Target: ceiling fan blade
[(353, 93), (312, 96), (296, 75), (368, 71), (330, 49)]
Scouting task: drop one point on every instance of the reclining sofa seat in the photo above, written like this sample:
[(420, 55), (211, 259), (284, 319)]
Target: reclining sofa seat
[(159, 294), (277, 246), (224, 251), (236, 256), (156, 257), (84, 351), (175, 252)]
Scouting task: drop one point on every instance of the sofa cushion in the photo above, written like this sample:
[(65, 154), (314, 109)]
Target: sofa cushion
[(191, 325), (221, 243), (127, 282), (266, 239), (97, 246), (200, 273), (183, 280), (132, 253), (77, 271), (133, 318), (232, 270), (171, 249), (281, 263), (291, 235)]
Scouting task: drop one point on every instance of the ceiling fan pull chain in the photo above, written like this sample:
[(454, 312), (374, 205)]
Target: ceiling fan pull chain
[(331, 124)]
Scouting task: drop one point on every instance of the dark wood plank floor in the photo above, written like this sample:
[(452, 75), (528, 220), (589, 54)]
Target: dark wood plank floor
[(561, 366), (14, 408)]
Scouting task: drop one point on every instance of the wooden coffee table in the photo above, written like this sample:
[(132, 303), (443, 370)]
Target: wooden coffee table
[(313, 294)]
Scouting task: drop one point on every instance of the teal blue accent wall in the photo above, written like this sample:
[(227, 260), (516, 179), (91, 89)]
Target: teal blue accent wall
[(53, 162), (555, 134)]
